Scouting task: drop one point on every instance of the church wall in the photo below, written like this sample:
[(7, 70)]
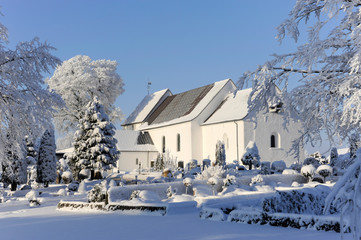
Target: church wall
[(269, 124), (128, 160)]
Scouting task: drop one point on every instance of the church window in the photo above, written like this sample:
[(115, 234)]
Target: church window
[(163, 144), (178, 142)]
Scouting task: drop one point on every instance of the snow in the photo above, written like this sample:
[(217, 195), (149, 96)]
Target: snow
[(146, 106), (235, 107)]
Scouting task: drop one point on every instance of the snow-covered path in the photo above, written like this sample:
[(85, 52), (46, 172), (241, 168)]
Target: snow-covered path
[(45, 223)]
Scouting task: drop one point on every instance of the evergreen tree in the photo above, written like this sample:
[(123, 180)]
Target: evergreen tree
[(159, 162), (220, 154), (354, 142), (14, 163), (31, 160), (333, 157), (47, 159), (95, 145)]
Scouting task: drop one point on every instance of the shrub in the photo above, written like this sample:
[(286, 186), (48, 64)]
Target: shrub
[(251, 156), (278, 166), (324, 171), (308, 171)]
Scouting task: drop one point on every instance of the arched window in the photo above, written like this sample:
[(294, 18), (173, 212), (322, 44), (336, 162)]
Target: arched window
[(275, 140), (178, 142), (163, 144)]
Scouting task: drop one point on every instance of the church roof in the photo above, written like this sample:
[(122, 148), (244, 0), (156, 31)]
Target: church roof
[(178, 105), (184, 106), (134, 141), (146, 106), (233, 107)]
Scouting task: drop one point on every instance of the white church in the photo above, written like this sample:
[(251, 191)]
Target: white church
[(188, 126)]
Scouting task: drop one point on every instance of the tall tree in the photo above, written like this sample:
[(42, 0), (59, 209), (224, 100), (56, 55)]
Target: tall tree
[(78, 80), (327, 68), (47, 159), (26, 107), (95, 145)]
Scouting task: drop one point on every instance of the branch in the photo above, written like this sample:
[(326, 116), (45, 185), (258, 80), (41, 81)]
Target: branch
[(308, 72)]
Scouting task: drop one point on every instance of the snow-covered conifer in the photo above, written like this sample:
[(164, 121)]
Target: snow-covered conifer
[(31, 158), (333, 157), (159, 163), (95, 145), (354, 142), (251, 156), (80, 79), (47, 159), (220, 154)]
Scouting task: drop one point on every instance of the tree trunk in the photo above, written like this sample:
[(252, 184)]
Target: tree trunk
[(250, 167), (46, 184), (14, 186)]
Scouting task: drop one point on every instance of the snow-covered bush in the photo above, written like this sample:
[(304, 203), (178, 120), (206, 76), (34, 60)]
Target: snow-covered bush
[(212, 171), (220, 154), (98, 193), (171, 192), (229, 180), (134, 195), (319, 157), (251, 156), (303, 201), (213, 181), (265, 168), (67, 177), (324, 171), (296, 166), (73, 186), (311, 161), (206, 163), (278, 166), (193, 164), (257, 180), (308, 171)]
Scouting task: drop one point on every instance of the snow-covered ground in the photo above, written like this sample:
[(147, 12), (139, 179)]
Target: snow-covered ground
[(19, 221)]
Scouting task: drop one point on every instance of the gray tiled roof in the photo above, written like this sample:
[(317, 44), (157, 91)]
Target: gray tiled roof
[(179, 105)]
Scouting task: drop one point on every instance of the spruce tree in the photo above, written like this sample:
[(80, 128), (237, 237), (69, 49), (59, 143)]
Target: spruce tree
[(95, 145), (159, 162), (46, 171)]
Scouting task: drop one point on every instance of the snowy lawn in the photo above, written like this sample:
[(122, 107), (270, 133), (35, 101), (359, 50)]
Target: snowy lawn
[(48, 223)]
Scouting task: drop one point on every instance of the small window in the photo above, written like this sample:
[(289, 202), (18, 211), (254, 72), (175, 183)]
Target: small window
[(178, 142), (136, 161), (275, 140), (163, 144), (181, 164), (152, 164)]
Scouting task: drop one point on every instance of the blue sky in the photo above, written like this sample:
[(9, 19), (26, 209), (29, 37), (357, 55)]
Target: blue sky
[(178, 45)]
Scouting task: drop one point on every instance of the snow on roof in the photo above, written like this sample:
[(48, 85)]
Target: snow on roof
[(146, 106), (128, 142), (234, 107), (204, 101)]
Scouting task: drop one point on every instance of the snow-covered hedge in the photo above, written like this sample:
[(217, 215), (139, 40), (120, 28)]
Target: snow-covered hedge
[(116, 194), (324, 223), (302, 201)]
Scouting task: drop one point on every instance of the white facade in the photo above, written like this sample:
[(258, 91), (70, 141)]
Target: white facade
[(216, 112)]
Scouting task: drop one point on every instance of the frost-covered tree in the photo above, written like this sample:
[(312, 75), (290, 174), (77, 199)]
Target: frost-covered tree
[(159, 163), (47, 160), (354, 142), (26, 106), (346, 197), (251, 156), (31, 160), (327, 69), (13, 164), (80, 79), (220, 154), (333, 157), (95, 145), (308, 171)]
